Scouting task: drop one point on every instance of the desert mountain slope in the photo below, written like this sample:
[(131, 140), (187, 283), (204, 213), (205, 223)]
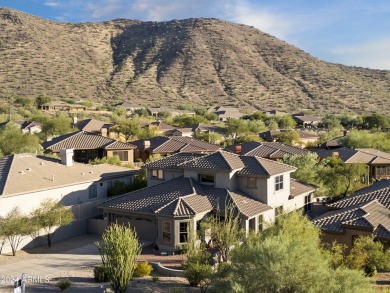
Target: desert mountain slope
[(193, 61)]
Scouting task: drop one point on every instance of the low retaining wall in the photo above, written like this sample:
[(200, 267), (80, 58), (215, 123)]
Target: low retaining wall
[(167, 271)]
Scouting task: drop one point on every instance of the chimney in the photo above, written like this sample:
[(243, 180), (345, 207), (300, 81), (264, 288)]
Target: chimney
[(146, 144), (74, 119), (335, 154), (66, 156), (238, 149), (103, 132)]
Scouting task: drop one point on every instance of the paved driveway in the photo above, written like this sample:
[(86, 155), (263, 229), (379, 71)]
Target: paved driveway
[(39, 270)]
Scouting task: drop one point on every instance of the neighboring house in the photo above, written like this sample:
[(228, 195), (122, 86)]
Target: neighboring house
[(88, 146), (304, 136), (208, 128), (26, 180), (365, 213), (269, 150), (377, 161), (63, 106), (161, 126), (184, 188), (173, 112), (190, 130), (130, 108), (25, 126), (334, 143), (170, 145), (272, 113), (307, 121), (93, 126), (225, 113), (181, 131)]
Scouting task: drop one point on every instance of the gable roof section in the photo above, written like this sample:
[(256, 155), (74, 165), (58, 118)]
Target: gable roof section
[(256, 166), (371, 216), (184, 197), (92, 125), (272, 150), (220, 160), (298, 188), (84, 140), (379, 191), (37, 173), (171, 162), (5, 166), (175, 144)]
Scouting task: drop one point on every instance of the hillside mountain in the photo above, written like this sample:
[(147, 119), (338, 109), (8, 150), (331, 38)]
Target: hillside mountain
[(193, 61)]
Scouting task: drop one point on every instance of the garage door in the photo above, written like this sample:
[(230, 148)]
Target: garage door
[(145, 227)]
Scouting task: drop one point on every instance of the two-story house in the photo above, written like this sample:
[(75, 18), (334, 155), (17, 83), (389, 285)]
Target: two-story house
[(184, 188)]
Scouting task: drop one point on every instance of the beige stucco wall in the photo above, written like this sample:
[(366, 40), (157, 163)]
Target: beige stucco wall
[(130, 155), (168, 175), (67, 195), (345, 238)]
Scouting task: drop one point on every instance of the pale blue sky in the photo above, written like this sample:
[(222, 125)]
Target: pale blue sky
[(350, 32)]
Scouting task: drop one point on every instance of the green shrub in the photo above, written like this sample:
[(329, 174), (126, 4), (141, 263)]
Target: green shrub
[(100, 275), (143, 269), (155, 278), (63, 284)]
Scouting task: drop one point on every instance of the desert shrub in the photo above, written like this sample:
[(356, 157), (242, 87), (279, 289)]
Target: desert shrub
[(99, 274), (142, 269), (155, 278), (63, 284)]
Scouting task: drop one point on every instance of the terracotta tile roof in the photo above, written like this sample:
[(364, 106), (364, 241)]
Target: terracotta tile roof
[(184, 197), (378, 191), (220, 160), (362, 155), (274, 150), (298, 188), (175, 144), (256, 166), (82, 140), (171, 162), (36, 173), (372, 215), (247, 206)]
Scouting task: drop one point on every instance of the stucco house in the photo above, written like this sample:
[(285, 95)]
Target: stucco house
[(88, 146), (26, 180), (307, 121), (377, 161), (365, 213), (93, 126), (184, 188), (225, 113), (25, 126)]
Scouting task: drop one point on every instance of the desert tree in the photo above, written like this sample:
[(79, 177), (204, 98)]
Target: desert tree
[(224, 231), (197, 265), (286, 257), (14, 227), (49, 216), (119, 252)]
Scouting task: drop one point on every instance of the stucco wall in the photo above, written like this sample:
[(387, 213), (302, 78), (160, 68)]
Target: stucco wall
[(67, 195), (168, 175), (345, 238), (278, 198), (130, 155)]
